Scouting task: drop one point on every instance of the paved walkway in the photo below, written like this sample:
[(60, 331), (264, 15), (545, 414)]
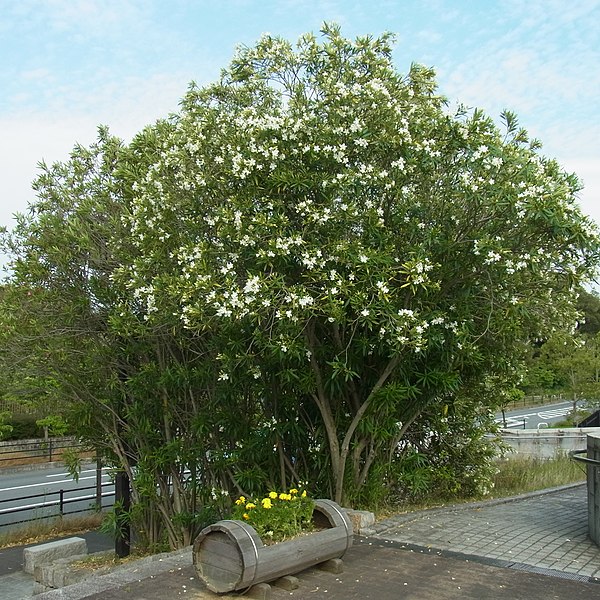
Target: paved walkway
[(533, 547), (542, 531)]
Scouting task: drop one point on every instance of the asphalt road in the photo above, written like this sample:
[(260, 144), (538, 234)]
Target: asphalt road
[(38, 492), (536, 416)]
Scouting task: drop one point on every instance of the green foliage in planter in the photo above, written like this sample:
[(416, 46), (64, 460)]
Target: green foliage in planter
[(277, 516)]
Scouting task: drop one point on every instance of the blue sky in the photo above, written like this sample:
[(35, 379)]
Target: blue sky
[(69, 65)]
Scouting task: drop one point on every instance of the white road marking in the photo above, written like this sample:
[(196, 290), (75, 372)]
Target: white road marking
[(551, 414), (517, 420), (68, 475)]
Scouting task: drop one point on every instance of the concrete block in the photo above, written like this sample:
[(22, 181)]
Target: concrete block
[(288, 583), (38, 588), (333, 565), (360, 519), (62, 573), (51, 551), (260, 591)]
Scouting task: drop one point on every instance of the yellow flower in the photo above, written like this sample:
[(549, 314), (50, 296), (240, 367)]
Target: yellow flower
[(304, 494), (250, 505), (245, 515), (285, 496), (266, 503), (293, 491), (240, 500), (273, 495)]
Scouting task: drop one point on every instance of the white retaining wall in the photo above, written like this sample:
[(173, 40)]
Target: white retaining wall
[(547, 443)]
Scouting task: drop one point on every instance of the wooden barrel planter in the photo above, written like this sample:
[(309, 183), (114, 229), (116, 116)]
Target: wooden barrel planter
[(229, 555)]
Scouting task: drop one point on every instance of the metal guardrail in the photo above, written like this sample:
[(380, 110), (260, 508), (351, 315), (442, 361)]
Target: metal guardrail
[(61, 502), (47, 450), (40, 506), (576, 455)]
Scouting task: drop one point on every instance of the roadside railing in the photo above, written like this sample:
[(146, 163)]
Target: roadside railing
[(32, 451), (55, 503), (528, 401), (40, 506)]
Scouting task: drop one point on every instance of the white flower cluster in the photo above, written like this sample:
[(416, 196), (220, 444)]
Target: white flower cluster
[(283, 203), (417, 272)]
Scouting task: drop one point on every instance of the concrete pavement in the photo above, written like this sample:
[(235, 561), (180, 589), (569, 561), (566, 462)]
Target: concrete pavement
[(372, 572), (540, 531), (532, 547)]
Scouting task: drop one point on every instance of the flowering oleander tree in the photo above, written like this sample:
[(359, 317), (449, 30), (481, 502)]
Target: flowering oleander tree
[(313, 271), (358, 252)]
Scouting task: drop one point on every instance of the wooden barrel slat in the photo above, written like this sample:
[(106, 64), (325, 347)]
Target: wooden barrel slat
[(226, 579), (233, 565), (217, 553), (229, 555)]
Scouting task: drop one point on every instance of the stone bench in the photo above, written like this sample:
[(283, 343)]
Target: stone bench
[(48, 553)]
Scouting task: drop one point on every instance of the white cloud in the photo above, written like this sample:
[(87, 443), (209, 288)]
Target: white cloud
[(536, 59), (125, 63), (76, 16), (30, 137)]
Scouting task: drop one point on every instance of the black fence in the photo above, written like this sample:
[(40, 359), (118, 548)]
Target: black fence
[(22, 452), (528, 401), (52, 503), (58, 503)]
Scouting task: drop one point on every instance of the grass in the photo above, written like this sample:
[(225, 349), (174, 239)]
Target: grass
[(572, 419), (521, 475), (516, 475), (37, 531), (108, 559), (17, 459), (36, 457)]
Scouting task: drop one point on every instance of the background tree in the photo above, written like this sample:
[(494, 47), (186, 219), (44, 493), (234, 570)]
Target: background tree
[(569, 361), (588, 305), (127, 388)]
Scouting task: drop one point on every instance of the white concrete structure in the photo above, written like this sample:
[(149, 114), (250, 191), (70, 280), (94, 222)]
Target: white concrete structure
[(546, 442)]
